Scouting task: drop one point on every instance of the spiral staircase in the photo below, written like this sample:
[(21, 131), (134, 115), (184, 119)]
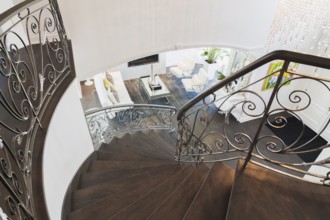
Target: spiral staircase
[(149, 172), (136, 177)]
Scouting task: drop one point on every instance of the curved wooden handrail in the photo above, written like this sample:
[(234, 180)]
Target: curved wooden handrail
[(5, 16), (276, 55)]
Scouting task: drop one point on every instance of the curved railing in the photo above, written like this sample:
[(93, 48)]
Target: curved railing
[(263, 122), (35, 71), (108, 122)]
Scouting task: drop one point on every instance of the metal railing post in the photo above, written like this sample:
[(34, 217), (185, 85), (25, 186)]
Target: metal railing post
[(269, 104)]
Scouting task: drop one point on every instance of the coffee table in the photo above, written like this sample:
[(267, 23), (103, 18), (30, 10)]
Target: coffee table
[(154, 94)]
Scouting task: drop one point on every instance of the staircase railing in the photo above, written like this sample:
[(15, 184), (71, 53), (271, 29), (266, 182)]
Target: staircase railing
[(229, 121), (108, 122), (35, 71)]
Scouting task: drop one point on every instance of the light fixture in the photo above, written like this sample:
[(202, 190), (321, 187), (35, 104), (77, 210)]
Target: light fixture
[(301, 26), (88, 82)]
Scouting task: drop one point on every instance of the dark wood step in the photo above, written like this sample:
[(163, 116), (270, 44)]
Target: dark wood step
[(150, 147), (105, 165), (212, 200), (162, 140), (140, 146), (125, 156), (168, 137), (141, 209), (89, 179), (105, 208), (117, 141), (180, 199), (138, 152), (83, 197), (259, 193)]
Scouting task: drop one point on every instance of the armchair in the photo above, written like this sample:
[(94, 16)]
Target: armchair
[(184, 68), (197, 83)]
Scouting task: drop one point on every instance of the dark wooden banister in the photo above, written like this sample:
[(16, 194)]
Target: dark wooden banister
[(5, 16), (276, 55)]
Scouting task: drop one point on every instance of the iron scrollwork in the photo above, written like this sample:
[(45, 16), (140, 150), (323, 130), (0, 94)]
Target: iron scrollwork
[(34, 60), (106, 123), (205, 135), (198, 138)]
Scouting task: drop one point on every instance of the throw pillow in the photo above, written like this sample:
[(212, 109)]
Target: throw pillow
[(112, 97), (107, 84), (109, 77), (115, 93)]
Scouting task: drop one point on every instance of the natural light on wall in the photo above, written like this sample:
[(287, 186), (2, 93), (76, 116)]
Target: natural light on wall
[(302, 26)]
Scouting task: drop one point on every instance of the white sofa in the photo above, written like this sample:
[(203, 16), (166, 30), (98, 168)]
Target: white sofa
[(184, 68), (197, 83), (120, 88)]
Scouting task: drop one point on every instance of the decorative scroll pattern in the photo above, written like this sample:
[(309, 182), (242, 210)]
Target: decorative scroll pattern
[(34, 60), (205, 135), (106, 123)]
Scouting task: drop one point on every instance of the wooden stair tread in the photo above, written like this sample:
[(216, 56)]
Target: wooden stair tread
[(169, 138), (139, 152), (125, 156), (103, 209), (136, 177), (142, 208), (104, 165), (147, 143), (213, 199), (83, 197), (259, 193), (139, 146), (161, 141), (89, 179), (180, 199)]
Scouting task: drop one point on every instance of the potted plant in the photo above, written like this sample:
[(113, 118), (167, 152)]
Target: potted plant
[(220, 75), (212, 54)]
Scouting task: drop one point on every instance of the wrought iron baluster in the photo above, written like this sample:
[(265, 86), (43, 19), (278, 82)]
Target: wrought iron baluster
[(264, 118), (123, 119)]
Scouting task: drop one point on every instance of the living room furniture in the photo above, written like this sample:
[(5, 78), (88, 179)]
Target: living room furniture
[(184, 68), (197, 83), (154, 94), (232, 104), (105, 96)]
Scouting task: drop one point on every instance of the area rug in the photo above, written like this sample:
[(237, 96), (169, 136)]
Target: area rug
[(291, 131)]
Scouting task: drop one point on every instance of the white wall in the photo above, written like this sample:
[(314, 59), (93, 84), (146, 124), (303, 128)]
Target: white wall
[(175, 56), (107, 33), (67, 145), (5, 5)]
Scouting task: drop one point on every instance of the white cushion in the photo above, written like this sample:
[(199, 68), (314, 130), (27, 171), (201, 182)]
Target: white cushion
[(187, 83), (177, 71), (195, 80), (123, 95), (112, 97), (202, 76), (184, 68)]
